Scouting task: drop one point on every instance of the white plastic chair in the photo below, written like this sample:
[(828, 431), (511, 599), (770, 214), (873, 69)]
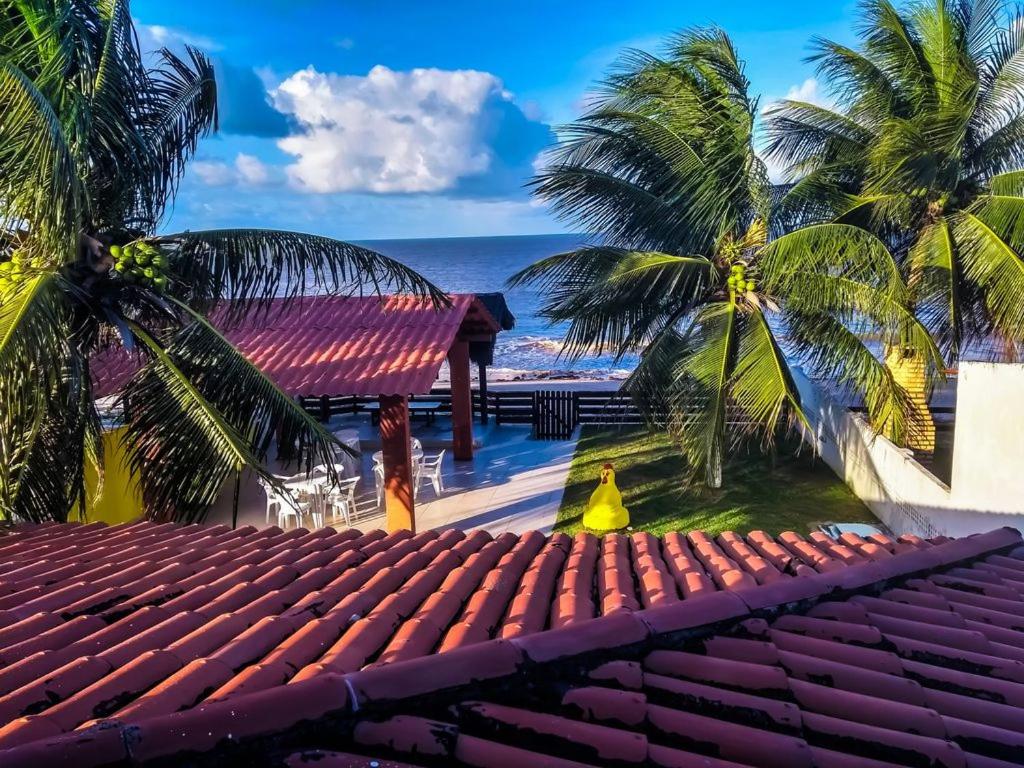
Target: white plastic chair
[(343, 499), (323, 469), (378, 476), (317, 506), (429, 469), (414, 446), (283, 504)]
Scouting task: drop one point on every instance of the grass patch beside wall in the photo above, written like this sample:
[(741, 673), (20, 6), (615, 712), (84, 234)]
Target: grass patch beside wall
[(797, 494)]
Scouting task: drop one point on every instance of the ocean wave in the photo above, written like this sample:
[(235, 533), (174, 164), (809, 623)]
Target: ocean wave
[(527, 344), (557, 374), (542, 356)]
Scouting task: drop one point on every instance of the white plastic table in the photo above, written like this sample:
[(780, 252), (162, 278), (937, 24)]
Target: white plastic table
[(417, 454)]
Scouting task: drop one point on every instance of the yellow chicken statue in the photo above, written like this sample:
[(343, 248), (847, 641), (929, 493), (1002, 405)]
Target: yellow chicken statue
[(605, 511)]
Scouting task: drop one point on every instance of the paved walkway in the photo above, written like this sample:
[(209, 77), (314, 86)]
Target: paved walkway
[(514, 483)]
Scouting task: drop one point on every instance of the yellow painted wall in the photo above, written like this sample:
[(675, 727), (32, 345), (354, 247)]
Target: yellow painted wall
[(909, 373), (121, 500)]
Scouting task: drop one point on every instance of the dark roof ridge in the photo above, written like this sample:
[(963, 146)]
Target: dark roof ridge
[(341, 699)]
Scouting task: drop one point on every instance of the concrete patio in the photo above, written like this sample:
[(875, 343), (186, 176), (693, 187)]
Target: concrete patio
[(513, 483)]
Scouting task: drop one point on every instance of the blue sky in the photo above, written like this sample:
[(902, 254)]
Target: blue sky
[(412, 119)]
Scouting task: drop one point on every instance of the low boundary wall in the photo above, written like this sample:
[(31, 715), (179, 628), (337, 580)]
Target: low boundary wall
[(906, 496)]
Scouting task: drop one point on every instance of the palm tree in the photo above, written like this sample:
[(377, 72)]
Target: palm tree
[(919, 169), (662, 172), (92, 146)]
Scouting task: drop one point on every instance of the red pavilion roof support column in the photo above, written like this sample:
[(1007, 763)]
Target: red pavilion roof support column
[(395, 437), (462, 401)]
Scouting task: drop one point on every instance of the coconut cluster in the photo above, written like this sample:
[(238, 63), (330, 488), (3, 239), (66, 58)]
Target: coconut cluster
[(141, 263), (738, 282), (17, 269)]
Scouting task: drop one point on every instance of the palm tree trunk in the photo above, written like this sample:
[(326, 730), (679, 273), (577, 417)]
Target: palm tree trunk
[(908, 369), (713, 473)]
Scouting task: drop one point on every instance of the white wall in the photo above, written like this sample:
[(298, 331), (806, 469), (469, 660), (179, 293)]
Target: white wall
[(988, 447), (987, 489)]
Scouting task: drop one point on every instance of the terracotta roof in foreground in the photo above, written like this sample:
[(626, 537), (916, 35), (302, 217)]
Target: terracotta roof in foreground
[(159, 644)]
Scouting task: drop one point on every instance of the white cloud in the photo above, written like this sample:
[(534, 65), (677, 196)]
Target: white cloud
[(154, 36), (809, 91), (247, 170), (387, 132), (213, 173), (251, 169), (345, 43)]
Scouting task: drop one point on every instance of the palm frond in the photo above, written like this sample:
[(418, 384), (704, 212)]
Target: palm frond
[(943, 304), (761, 385), (120, 184), (1009, 183), (870, 311), (43, 475), (36, 393), (1001, 75), (179, 444), (664, 160), (180, 108), (857, 81), (700, 389), (798, 132), (39, 181), (998, 152), (249, 401), (615, 299), (943, 46), (249, 267), (838, 250), (891, 41), (834, 352), (992, 263)]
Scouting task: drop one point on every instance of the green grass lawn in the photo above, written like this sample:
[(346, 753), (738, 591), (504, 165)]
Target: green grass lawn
[(798, 493)]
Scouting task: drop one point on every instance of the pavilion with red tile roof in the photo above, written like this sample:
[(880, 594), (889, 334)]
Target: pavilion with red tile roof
[(389, 347), (152, 644)]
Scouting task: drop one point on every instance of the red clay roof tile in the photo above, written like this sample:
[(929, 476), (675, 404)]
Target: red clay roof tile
[(339, 345), (925, 637)]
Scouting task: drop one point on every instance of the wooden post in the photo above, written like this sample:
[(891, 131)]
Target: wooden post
[(395, 436), (234, 500), (462, 401), (483, 393)]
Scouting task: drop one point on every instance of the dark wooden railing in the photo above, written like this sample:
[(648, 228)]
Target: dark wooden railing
[(549, 411), (553, 414)]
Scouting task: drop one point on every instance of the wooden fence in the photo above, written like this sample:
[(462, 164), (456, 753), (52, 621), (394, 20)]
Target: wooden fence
[(553, 414)]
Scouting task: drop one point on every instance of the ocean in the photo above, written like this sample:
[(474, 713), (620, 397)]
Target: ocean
[(483, 264)]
